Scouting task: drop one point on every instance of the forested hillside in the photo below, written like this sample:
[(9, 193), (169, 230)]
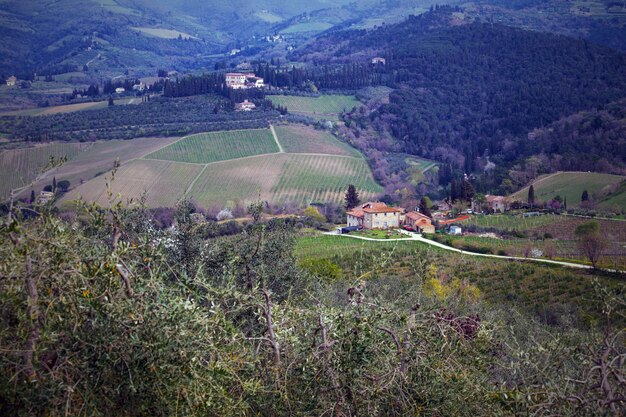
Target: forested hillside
[(477, 90)]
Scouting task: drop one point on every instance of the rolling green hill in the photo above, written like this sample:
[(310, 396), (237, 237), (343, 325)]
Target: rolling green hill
[(571, 185)]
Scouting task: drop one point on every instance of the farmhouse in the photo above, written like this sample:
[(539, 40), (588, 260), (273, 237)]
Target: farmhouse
[(245, 106), (45, 197), (419, 222), (120, 90), (496, 203), (374, 216), (379, 61), (241, 81), (11, 81)]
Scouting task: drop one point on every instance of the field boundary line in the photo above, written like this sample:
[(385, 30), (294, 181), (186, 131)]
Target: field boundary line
[(194, 181), (280, 147)]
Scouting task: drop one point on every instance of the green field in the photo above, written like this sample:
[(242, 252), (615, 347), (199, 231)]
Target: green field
[(323, 178), (205, 148), (20, 167), (164, 33), (268, 17), (305, 139), (328, 107), (307, 27), (336, 247), (513, 222), (570, 185)]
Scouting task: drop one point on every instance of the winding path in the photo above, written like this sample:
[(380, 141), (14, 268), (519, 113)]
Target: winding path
[(420, 238)]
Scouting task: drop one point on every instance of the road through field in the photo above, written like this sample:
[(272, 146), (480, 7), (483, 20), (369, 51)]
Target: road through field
[(420, 238), (280, 147)]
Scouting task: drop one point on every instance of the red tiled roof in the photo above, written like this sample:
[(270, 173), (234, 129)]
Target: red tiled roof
[(356, 213), (381, 210), (458, 219), (414, 215)]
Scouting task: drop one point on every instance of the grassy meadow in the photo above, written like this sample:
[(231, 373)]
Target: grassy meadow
[(322, 107), (305, 139), (569, 185)]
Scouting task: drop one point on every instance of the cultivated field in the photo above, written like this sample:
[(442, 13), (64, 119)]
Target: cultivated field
[(164, 183), (305, 139), (323, 178), (569, 185), (19, 167), (164, 33), (205, 148), (323, 107), (68, 108), (224, 168), (97, 159), (307, 27), (283, 178)]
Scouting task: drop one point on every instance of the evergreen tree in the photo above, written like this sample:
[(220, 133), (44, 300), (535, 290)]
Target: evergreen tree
[(111, 102), (467, 190), (424, 209), (585, 196), (565, 203), (454, 192), (32, 196), (54, 184), (352, 198), (531, 195)]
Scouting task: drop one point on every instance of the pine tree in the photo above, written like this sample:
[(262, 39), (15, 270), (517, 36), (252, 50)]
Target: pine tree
[(565, 203), (424, 209), (111, 102), (585, 196), (352, 198), (54, 184), (32, 196), (531, 195)]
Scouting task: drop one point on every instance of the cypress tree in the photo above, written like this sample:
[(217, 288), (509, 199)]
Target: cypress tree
[(531, 195), (54, 184), (585, 196), (352, 198), (424, 209), (454, 192), (32, 196)]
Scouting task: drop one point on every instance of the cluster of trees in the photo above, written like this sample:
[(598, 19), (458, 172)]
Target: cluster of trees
[(159, 116), (334, 77), (103, 313)]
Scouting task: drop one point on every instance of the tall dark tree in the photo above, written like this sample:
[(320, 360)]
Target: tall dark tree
[(352, 198), (467, 190), (424, 209), (32, 196), (454, 192), (54, 184), (111, 102), (531, 195), (585, 196), (564, 203)]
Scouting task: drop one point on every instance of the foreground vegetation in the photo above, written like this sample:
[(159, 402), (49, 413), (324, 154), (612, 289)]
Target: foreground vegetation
[(104, 314)]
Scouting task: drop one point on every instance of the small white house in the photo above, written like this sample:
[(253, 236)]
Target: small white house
[(456, 230), (120, 90)]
